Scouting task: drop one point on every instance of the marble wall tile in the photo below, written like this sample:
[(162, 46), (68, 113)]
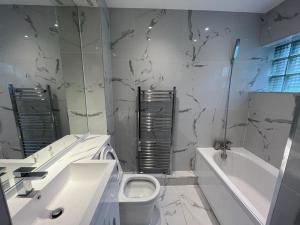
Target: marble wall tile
[(93, 64), (30, 56), (281, 22), (69, 57), (82, 50), (270, 118), (107, 68), (179, 51), (72, 66)]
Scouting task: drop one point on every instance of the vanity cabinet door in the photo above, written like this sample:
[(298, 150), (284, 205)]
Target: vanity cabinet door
[(108, 209), (114, 215), (108, 215), (4, 212)]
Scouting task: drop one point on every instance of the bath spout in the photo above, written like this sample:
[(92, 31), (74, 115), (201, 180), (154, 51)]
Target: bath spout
[(224, 154), (223, 146)]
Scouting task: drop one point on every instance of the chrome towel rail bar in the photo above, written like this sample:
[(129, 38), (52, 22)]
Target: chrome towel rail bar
[(155, 130)]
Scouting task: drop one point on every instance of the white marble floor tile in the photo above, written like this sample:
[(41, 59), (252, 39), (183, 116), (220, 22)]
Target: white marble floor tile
[(182, 205)]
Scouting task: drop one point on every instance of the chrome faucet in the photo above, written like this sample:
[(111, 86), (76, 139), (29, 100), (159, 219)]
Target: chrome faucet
[(223, 146), (4, 178), (2, 171), (25, 190)]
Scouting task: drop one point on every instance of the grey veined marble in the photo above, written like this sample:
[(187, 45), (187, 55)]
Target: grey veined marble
[(159, 49), (182, 205)]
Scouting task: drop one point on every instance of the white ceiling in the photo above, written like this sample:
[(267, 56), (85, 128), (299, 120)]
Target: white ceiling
[(255, 6)]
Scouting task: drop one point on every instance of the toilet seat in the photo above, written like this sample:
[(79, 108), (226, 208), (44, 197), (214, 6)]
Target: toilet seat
[(135, 188), (138, 188)]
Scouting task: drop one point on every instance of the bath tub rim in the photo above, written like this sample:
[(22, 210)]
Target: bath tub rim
[(208, 155)]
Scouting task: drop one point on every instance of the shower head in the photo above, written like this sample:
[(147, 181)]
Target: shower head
[(236, 49), (233, 58)]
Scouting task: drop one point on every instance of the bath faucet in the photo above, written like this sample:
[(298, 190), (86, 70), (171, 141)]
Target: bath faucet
[(2, 173), (4, 178), (27, 175), (223, 146)]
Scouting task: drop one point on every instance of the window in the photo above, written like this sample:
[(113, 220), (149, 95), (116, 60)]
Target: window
[(285, 73)]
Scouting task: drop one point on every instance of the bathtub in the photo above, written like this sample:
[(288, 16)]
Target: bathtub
[(239, 189)]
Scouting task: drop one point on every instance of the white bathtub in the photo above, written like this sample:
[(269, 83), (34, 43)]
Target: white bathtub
[(239, 189)]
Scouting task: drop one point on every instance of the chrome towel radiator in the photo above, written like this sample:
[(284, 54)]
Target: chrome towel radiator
[(155, 130), (35, 117)]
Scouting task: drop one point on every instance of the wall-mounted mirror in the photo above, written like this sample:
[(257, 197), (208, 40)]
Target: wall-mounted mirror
[(42, 91)]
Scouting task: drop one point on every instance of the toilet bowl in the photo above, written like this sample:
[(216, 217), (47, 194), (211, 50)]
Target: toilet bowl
[(137, 194)]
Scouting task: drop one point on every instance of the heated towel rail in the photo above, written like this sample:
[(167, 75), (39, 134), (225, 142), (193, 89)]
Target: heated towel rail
[(35, 117), (155, 130)]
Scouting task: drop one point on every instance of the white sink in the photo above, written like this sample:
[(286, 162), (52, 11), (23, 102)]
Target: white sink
[(77, 189)]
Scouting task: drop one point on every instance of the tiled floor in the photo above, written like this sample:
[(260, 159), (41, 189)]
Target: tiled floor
[(182, 205)]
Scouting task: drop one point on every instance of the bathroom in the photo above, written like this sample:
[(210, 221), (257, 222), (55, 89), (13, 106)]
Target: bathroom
[(149, 112)]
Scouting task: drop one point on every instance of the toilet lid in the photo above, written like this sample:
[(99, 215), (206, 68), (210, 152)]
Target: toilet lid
[(109, 154)]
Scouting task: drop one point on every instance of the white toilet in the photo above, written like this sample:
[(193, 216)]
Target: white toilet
[(137, 193)]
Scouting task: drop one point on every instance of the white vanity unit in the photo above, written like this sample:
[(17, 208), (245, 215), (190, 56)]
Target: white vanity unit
[(76, 191)]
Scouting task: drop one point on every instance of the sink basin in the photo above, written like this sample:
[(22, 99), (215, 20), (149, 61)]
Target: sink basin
[(77, 190)]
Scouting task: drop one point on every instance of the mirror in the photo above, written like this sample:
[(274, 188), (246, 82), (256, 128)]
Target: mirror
[(42, 91)]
